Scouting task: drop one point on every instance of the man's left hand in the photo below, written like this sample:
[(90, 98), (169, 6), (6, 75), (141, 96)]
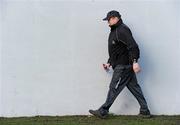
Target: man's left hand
[(136, 67)]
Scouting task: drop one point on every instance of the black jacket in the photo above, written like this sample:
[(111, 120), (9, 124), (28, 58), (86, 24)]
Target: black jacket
[(122, 47)]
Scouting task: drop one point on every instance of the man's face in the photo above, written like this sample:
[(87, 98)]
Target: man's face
[(113, 20)]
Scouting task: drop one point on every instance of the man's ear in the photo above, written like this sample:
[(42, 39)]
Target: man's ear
[(117, 19)]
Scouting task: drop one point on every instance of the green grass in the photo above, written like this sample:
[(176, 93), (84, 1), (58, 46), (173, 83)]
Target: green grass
[(91, 120)]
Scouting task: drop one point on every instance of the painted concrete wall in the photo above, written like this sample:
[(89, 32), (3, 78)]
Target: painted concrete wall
[(52, 54)]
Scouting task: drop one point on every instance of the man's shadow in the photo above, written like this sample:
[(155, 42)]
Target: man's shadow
[(145, 76)]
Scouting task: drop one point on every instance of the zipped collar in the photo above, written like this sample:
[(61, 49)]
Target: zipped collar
[(116, 25)]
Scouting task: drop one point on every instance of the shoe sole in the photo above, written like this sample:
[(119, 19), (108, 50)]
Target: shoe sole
[(145, 116)]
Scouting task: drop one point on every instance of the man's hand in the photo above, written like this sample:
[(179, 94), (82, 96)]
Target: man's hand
[(106, 66), (136, 67)]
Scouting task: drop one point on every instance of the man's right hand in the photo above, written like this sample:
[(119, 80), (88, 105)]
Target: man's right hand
[(106, 66)]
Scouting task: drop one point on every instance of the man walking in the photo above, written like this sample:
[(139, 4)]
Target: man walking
[(123, 57)]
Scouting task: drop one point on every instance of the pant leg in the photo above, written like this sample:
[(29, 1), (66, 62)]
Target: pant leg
[(121, 77), (135, 89)]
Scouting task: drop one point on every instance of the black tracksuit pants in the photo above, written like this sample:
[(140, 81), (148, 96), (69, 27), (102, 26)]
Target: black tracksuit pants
[(123, 75)]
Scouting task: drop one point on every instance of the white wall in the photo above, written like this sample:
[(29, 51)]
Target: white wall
[(52, 54)]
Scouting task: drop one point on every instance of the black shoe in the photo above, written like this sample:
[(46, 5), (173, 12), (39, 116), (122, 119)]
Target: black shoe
[(145, 114), (98, 114)]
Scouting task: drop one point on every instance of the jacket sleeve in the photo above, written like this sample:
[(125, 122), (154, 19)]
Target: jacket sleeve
[(132, 46)]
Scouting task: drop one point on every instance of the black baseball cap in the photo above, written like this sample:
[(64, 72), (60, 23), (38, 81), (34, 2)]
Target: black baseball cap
[(112, 13)]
